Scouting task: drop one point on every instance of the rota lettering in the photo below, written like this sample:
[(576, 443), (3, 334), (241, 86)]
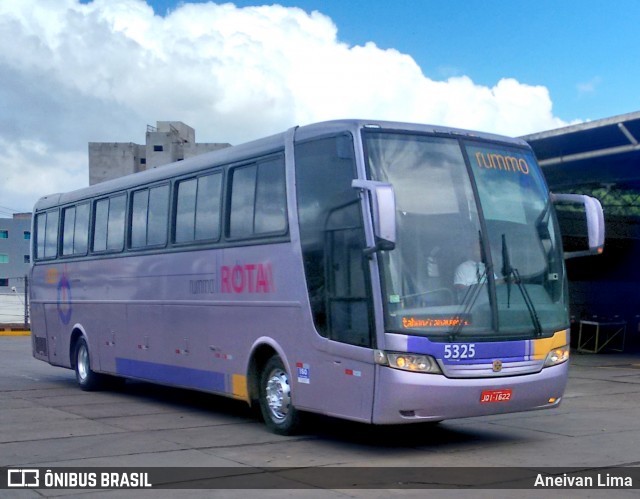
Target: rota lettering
[(247, 278)]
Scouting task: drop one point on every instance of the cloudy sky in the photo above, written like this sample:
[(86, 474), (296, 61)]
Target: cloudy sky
[(73, 72)]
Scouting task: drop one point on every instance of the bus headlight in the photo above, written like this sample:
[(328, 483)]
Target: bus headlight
[(557, 356), (408, 362)]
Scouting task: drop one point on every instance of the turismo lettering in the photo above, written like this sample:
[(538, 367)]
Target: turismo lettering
[(493, 161), (203, 286), (247, 278)]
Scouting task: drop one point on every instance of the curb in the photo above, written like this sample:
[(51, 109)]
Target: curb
[(15, 333)]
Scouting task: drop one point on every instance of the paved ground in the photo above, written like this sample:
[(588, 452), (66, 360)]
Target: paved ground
[(46, 421)]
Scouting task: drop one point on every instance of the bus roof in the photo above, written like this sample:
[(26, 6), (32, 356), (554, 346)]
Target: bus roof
[(247, 151)]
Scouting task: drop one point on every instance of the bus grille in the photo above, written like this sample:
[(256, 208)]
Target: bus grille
[(487, 370)]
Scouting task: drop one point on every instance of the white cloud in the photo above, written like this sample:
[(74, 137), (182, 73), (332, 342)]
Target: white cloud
[(101, 71), (29, 170)]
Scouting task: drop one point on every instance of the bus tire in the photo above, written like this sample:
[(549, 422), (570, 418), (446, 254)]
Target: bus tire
[(279, 414), (86, 378)]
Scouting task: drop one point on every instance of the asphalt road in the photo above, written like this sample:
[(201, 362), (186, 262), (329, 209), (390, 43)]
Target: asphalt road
[(46, 421)]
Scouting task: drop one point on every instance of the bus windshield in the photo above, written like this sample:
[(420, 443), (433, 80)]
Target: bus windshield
[(478, 249)]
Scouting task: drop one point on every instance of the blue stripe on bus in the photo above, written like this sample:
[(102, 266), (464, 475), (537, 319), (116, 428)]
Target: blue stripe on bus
[(172, 375), (512, 351)]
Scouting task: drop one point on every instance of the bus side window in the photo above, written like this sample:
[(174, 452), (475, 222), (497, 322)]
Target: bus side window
[(207, 222), (47, 234), (75, 231), (198, 209), (115, 229), (243, 193), (270, 210), (185, 210), (51, 243), (69, 223), (108, 232), (149, 217), (332, 240), (41, 226), (100, 225), (81, 229), (258, 199)]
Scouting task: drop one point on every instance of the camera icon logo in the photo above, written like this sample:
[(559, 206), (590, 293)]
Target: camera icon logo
[(23, 478)]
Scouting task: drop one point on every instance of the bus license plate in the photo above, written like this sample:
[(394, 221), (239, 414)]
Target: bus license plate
[(489, 396)]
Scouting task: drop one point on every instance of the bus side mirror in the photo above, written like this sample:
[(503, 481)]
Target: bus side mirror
[(383, 206), (594, 221)]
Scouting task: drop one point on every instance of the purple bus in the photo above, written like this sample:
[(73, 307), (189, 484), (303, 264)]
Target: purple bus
[(374, 271)]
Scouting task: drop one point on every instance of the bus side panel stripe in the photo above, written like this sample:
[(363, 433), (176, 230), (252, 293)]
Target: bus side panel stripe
[(173, 375)]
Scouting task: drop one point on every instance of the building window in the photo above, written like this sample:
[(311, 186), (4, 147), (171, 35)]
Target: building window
[(4, 234), (143, 161), (4, 258), (4, 282), (27, 259), (27, 235), (158, 148)]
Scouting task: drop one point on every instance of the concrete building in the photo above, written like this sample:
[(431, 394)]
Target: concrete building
[(167, 142), (15, 240)]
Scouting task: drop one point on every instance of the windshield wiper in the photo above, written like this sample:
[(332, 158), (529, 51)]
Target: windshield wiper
[(508, 271)]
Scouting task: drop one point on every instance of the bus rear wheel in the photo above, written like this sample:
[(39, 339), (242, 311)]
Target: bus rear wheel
[(279, 414), (86, 378)]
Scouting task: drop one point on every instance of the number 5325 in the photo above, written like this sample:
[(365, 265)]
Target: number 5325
[(460, 351)]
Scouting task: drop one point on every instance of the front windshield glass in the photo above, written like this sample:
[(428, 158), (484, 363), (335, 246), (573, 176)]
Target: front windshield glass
[(446, 277), (523, 237)]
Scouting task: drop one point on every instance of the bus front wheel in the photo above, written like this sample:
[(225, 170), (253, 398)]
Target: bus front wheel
[(87, 379), (278, 412)]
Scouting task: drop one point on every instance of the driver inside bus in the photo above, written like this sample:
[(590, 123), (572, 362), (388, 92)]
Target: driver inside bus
[(470, 272)]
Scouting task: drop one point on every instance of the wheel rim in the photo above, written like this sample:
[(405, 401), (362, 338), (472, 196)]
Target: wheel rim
[(278, 395), (83, 362)]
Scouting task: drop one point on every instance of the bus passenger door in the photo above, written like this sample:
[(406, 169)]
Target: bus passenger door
[(349, 324), (338, 376)]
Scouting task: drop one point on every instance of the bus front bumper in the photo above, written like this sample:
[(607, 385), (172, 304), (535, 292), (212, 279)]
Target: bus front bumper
[(405, 397)]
